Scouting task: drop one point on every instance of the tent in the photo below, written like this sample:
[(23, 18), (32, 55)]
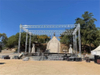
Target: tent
[(96, 51), (53, 45)]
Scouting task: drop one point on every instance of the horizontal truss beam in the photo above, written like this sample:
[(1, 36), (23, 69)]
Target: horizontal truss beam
[(50, 26), (50, 31)]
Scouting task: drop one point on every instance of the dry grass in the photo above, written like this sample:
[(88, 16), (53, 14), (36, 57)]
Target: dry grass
[(19, 67)]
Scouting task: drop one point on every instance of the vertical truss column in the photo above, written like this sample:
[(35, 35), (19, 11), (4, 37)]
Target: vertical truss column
[(73, 42), (30, 44), (76, 43), (19, 38), (58, 50), (26, 42), (79, 39)]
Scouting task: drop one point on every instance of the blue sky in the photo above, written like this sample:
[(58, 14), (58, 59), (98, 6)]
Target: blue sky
[(35, 12)]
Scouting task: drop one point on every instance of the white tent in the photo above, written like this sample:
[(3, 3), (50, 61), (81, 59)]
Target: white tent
[(53, 45), (96, 51)]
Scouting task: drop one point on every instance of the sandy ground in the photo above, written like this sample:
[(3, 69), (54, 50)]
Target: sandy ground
[(19, 67)]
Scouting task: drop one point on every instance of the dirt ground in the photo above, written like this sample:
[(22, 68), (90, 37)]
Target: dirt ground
[(19, 67)]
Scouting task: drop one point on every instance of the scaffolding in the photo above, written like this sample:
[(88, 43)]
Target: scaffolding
[(49, 30)]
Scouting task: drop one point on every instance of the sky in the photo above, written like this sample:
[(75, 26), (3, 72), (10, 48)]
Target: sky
[(40, 12)]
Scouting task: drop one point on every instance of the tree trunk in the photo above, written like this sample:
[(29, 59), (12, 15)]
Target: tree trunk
[(90, 47)]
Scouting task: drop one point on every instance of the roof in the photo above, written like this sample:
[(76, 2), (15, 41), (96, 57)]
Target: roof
[(54, 39), (96, 51)]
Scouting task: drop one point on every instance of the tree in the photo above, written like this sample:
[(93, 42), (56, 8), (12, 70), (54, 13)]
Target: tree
[(13, 40), (43, 38), (66, 39), (88, 29), (97, 42), (3, 40)]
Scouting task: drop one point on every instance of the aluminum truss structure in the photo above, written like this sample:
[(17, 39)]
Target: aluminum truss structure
[(69, 29)]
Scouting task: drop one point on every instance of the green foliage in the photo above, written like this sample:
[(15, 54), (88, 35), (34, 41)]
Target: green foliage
[(66, 39), (43, 39), (3, 40), (97, 41), (89, 32), (13, 40)]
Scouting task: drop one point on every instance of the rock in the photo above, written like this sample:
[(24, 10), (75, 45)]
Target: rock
[(15, 57), (26, 59), (5, 57)]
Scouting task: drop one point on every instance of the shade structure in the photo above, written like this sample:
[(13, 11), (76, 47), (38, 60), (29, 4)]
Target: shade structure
[(33, 49), (53, 45), (96, 51)]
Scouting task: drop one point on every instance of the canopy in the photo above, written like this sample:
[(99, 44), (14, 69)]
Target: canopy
[(96, 51)]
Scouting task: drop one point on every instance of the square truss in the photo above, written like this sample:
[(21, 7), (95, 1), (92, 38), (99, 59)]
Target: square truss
[(49, 30)]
